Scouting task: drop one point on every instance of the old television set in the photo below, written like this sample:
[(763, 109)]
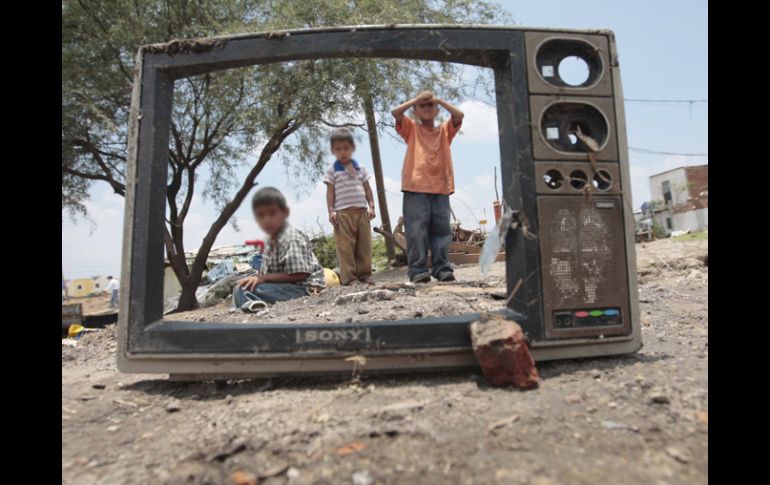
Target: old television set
[(575, 284)]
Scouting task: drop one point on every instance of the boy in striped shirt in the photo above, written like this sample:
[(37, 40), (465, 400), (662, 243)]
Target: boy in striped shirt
[(351, 206)]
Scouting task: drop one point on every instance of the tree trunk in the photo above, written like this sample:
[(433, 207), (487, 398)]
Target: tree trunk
[(187, 300), (374, 142)]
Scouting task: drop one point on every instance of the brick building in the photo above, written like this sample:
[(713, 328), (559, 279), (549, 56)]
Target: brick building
[(680, 198)]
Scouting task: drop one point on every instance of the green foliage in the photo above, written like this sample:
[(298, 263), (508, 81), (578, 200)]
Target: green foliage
[(379, 255), (658, 230), (325, 250)]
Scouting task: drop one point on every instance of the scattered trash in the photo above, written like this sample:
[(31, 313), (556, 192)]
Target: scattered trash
[(502, 423), (353, 447), (255, 306), (243, 478), (332, 278), (69, 342), (680, 233), (495, 240), (75, 331), (221, 270), (358, 362)]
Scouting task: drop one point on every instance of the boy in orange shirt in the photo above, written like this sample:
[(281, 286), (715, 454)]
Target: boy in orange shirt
[(427, 181)]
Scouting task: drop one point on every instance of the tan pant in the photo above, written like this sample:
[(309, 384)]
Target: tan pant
[(353, 236)]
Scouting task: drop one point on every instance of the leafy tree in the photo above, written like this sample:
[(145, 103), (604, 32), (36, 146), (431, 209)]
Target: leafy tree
[(226, 121)]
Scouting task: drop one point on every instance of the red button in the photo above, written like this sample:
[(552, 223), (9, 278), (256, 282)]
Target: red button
[(581, 314)]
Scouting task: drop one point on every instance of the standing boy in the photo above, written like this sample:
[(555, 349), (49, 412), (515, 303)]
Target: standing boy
[(289, 267), (427, 181), (351, 206)]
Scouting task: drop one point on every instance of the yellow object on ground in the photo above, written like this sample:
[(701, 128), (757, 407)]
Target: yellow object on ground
[(331, 278), (74, 330)]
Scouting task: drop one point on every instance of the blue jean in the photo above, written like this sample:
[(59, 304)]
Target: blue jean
[(427, 225), (268, 293), (114, 299)]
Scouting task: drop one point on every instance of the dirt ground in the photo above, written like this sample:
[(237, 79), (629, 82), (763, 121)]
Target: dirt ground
[(641, 418)]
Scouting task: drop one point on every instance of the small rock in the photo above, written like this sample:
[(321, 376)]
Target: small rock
[(613, 425), (98, 386), (660, 399), (113, 428), (596, 373), (363, 311), (418, 314), (293, 473), (612, 404), (362, 478), (677, 454), (573, 398), (172, 407), (349, 320)]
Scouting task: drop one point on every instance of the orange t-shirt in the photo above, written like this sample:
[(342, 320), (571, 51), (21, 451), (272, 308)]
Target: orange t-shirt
[(428, 160)]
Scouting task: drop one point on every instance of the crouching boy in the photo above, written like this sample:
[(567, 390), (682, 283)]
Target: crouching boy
[(289, 268)]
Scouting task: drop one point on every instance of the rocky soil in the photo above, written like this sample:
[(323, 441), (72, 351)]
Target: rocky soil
[(641, 418)]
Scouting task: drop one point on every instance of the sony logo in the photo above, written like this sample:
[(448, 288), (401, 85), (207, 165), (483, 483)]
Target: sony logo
[(336, 335)]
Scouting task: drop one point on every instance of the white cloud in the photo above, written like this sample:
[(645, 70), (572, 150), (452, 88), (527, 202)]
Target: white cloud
[(479, 124)]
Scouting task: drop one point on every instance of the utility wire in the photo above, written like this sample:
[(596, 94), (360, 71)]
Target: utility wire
[(658, 152), (685, 101)]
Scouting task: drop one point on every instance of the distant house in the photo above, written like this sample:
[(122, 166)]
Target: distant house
[(100, 283), (680, 198), (80, 288)]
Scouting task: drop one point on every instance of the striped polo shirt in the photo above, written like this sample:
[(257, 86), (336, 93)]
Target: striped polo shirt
[(348, 188)]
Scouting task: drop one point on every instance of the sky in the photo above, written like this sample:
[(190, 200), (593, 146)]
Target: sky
[(663, 54)]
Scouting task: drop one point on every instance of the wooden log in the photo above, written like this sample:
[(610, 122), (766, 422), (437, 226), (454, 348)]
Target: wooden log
[(401, 245), (464, 248)]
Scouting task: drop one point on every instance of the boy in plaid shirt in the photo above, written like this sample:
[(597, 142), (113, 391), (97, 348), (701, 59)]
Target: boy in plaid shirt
[(289, 268)]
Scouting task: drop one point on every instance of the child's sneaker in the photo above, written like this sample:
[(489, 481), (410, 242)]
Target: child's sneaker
[(446, 276), (421, 278)]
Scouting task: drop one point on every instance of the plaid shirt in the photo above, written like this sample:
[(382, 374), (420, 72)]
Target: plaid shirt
[(292, 253)]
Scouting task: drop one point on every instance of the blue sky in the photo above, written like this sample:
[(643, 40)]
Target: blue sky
[(663, 49)]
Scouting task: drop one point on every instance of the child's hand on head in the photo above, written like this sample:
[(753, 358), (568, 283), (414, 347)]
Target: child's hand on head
[(425, 97)]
